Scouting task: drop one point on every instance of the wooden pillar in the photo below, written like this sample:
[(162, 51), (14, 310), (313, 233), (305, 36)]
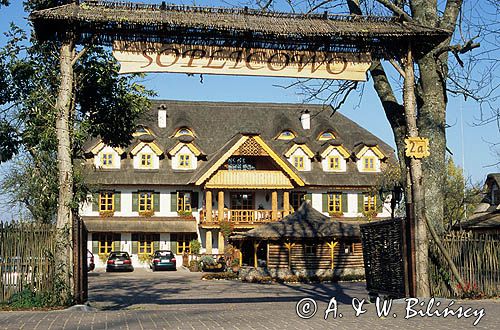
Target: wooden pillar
[(255, 248), (289, 247), (208, 241), (286, 203), (332, 245), (220, 200), (274, 205), (221, 243), (208, 208)]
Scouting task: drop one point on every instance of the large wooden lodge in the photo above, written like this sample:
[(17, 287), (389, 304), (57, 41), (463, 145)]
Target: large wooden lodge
[(192, 165)]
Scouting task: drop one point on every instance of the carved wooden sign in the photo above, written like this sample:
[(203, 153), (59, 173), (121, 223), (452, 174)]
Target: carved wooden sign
[(417, 147), (142, 57)]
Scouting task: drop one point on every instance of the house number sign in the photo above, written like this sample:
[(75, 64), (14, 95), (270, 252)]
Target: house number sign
[(417, 147)]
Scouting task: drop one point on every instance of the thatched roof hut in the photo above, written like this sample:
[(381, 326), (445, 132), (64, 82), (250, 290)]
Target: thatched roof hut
[(304, 241), (305, 223)]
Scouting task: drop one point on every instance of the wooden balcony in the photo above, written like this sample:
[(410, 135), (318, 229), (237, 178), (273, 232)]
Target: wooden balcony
[(241, 217), (258, 179)]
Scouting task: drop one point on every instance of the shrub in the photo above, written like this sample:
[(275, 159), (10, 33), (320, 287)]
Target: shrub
[(29, 299), (220, 276), (208, 260), (195, 246), (194, 265)]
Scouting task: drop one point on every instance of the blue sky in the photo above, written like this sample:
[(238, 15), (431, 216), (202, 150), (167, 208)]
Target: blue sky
[(477, 155)]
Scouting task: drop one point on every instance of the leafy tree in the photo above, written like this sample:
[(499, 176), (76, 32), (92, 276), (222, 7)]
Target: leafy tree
[(56, 98), (460, 197)]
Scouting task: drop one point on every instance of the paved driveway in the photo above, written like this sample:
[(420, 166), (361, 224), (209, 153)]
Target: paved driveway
[(146, 289)]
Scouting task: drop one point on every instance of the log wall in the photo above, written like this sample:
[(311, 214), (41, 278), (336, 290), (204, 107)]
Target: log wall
[(320, 259)]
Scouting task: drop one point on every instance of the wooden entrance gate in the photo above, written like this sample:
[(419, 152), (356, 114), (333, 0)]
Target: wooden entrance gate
[(80, 264), (385, 255)]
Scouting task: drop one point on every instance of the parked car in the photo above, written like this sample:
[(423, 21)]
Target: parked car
[(90, 261), (119, 260), (163, 259), (15, 272)]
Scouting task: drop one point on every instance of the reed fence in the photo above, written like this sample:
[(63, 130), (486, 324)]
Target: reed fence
[(477, 257), (26, 258)]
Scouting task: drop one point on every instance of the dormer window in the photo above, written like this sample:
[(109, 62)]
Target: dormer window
[(298, 162), (334, 163), (325, 136), (146, 160), (107, 160), (184, 131), (184, 160), (369, 159), (368, 163), (141, 130), (286, 135)]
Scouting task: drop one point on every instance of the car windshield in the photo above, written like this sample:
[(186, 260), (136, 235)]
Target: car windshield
[(163, 254), (119, 255)]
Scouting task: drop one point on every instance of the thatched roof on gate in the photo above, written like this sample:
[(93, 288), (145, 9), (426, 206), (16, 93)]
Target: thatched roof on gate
[(305, 223), (106, 21)]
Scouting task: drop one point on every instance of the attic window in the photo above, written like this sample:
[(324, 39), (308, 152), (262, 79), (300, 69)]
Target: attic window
[(141, 130), (184, 131), (325, 136), (286, 135)]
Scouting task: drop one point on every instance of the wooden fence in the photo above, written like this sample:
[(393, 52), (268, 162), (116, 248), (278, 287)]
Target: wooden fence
[(26, 258), (477, 257)]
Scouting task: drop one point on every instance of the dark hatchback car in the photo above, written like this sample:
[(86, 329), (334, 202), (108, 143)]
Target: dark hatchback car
[(119, 260), (163, 259)]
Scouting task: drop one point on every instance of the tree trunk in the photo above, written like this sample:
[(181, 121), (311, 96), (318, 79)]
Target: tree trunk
[(417, 187), (65, 168)]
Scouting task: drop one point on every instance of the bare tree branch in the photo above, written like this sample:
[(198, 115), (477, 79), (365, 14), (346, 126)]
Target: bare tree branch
[(395, 9)]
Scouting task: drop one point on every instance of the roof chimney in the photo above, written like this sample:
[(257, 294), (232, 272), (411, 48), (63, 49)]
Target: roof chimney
[(162, 116), (305, 119)]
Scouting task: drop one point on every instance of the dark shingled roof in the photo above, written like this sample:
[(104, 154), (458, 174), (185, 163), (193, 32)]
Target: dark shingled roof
[(483, 220), (140, 224), (305, 223), (218, 125), (105, 21)]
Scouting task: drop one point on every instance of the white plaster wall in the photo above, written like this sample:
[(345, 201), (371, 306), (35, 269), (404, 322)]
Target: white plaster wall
[(307, 160), (126, 202), (325, 165), (175, 159), (317, 201), (368, 153), (107, 150), (164, 241), (146, 150)]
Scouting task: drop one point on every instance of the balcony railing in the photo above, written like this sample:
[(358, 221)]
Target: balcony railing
[(242, 216)]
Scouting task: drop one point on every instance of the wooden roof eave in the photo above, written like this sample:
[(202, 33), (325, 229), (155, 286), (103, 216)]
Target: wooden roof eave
[(105, 22)]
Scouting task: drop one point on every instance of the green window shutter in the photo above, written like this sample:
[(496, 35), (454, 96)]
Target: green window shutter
[(173, 247), (135, 201), (344, 203), (194, 201), (95, 202), (156, 201), (361, 202), (95, 245), (173, 201), (117, 238), (379, 203), (325, 202), (118, 201), (135, 244), (156, 245)]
